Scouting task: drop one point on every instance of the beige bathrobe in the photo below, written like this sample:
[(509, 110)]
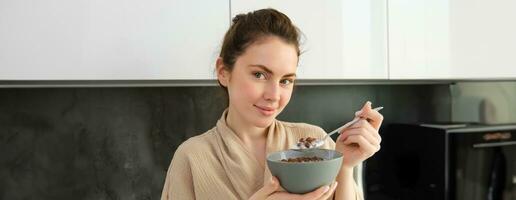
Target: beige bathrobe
[(217, 165)]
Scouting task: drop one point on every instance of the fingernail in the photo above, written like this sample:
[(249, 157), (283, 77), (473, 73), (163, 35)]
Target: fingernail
[(326, 188)]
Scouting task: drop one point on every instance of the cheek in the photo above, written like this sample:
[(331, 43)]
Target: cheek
[(285, 97), (247, 90)]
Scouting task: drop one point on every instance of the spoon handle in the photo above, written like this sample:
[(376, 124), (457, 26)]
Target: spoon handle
[(348, 124)]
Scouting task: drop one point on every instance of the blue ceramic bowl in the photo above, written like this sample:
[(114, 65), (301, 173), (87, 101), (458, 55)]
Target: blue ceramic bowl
[(304, 177)]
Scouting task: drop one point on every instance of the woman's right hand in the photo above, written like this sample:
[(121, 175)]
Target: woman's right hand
[(271, 191)]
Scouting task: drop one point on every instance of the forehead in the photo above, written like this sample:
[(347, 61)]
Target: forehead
[(273, 53)]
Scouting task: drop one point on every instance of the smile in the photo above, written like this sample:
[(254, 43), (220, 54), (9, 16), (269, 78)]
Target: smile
[(267, 111)]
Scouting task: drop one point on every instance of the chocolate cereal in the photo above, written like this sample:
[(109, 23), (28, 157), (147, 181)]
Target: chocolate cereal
[(308, 142), (303, 159)]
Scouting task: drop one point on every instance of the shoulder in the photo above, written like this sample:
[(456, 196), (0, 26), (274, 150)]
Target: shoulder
[(303, 129), (196, 145)]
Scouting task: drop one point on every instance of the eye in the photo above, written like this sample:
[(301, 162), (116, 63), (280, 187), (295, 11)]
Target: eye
[(259, 75), (286, 81)]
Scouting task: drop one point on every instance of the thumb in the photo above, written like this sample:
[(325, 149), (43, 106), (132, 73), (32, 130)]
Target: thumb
[(366, 108)]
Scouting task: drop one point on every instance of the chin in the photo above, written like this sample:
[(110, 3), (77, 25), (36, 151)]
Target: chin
[(263, 123)]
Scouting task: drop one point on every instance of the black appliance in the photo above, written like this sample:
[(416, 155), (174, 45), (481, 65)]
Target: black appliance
[(443, 162)]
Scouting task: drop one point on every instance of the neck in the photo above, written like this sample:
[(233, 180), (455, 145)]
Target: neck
[(244, 130)]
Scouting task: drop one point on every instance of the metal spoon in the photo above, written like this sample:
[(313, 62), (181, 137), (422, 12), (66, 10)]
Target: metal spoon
[(319, 142)]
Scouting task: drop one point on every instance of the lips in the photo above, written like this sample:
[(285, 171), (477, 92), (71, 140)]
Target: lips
[(265, 110)]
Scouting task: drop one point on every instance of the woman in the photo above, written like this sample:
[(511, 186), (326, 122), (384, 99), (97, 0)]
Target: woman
[(257, 67)]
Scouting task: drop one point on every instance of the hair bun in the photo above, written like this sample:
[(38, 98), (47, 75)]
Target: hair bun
[(238, 17)]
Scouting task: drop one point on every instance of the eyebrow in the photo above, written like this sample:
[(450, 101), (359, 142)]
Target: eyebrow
[(270, 72)]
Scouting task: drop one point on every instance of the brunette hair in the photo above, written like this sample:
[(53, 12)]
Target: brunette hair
[(253, 26)]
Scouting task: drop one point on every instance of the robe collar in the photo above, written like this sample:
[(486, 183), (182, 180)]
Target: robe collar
[(241, 166)]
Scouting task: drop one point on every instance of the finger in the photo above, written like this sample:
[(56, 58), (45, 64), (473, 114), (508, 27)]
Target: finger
[(360, 123), (365, 108), (330, 192), (373, 116), (269, 188), (369, 130), (364, 146), (316, 194), (363, 131)]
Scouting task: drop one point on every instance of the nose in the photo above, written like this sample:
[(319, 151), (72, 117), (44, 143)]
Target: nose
[(272, 92)]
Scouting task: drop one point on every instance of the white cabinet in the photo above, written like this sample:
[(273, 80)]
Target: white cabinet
[(452, 39), (180, 40), (110, 40), (343, 39)]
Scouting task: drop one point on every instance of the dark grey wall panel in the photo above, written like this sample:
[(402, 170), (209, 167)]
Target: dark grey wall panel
[(116, 143)]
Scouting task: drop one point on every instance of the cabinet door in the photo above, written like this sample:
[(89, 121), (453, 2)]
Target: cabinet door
[(343, 39), (452, 39), (110, 40)]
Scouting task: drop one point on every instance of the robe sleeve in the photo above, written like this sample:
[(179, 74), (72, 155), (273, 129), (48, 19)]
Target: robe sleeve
[(358, 192), (179, 181), (330, 144)]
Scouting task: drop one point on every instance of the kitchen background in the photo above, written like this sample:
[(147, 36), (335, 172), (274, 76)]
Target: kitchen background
[(117, 143), (95, 96)]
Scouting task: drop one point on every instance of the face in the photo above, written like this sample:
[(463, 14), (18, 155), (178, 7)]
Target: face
[(261, 82)]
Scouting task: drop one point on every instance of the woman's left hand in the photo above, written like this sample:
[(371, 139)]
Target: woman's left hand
[(361, 140)]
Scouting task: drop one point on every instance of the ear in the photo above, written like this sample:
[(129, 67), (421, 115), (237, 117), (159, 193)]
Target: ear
[(223, 75)]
